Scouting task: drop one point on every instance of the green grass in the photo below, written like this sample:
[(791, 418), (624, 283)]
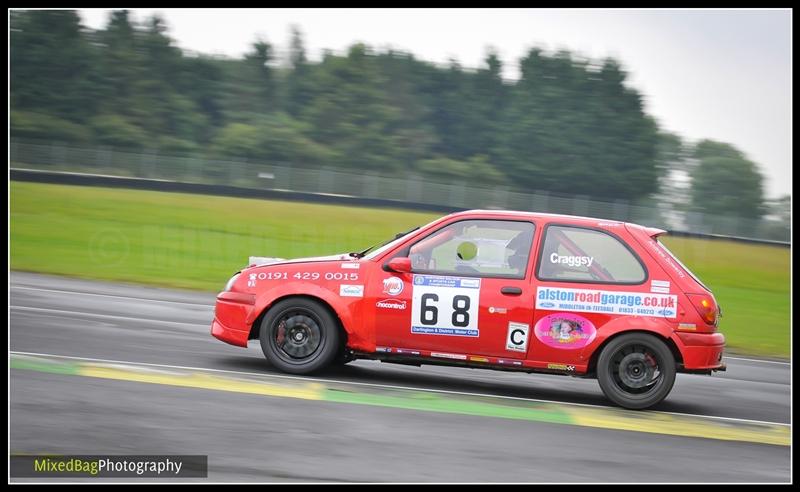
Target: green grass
[(197, 242)]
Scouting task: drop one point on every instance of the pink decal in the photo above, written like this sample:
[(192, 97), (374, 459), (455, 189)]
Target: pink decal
[(565, 331)]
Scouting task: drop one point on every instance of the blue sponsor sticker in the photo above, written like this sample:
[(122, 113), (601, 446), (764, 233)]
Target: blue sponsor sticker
[(547, 305), (457, 282), (432, 330)]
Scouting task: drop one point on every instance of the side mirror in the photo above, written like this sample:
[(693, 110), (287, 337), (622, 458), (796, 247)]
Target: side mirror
[(399, 265)]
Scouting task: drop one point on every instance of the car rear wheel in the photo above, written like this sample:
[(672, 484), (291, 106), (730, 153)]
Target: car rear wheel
[(299, 336), (636, 370)]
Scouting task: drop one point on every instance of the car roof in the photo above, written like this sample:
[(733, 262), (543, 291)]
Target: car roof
[(537, 215)]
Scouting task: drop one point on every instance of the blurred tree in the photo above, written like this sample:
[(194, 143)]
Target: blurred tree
[(118, 131), (299, 83), (568, 125), (725, 182), (712, 148), (275, 140), (354, 115), (576, 129), (673, 164), (780, 209), (475, 170), (777, 223), (28, 124), (261, 56), (53, 65)]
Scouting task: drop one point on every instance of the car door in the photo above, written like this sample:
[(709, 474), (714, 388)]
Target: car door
[(578, 267), (467, 294)]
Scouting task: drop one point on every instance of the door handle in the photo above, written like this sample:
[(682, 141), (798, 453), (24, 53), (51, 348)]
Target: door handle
[(511, 291)]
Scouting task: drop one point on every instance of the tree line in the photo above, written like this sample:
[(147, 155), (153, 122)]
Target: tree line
[(568, 125)]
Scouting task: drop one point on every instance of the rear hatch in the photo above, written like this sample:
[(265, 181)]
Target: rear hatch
[(700, 296)]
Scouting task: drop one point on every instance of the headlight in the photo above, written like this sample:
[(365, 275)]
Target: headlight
[(230, 283)]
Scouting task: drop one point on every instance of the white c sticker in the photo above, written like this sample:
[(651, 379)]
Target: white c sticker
[(517, 338)]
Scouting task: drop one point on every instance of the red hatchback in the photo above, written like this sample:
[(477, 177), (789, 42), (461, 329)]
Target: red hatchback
[(493, 289)]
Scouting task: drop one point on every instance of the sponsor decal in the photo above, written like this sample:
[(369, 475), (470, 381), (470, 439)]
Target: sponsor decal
[(392, 286), (509, 362), (458, 332), (251, 280), (565, 331), (478, 359), (474, 283), (607, 302), (351, 265), (561, 367), (517, 337), (383, 349), (407, 351), (351, 290), (687, 326), (497, 310), (609, 224), (445, 305), (449, 356), (660, 286), (391, 304), (573, 261)]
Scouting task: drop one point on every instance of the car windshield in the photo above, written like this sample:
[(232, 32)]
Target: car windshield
[(386, 245)]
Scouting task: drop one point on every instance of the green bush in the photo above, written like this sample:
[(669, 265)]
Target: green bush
[(117, 131), (27, 124)]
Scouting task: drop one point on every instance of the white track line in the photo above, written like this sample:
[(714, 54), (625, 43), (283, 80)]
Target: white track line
[(109, 295), (98, 315), (759, 360), (358, 383)]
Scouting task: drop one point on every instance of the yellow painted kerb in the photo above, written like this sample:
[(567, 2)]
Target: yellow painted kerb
[(677, 425), (310, 391)]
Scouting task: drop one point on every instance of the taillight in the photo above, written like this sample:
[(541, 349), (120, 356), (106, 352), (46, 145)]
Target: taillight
[(706, 307)]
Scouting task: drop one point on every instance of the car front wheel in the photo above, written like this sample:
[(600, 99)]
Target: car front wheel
[(636, 370), (299, 336)]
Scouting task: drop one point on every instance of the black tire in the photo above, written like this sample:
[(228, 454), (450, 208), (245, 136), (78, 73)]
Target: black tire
[(299, 336), (636, 370)]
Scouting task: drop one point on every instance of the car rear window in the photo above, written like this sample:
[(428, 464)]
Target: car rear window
[(577, 254), (685, 268)]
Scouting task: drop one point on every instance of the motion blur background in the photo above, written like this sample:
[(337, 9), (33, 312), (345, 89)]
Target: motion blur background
[(541, 128)]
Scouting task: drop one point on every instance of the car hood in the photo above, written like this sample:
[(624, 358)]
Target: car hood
[(266, 260)]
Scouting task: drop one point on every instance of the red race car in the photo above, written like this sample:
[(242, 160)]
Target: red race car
[(493, 289)]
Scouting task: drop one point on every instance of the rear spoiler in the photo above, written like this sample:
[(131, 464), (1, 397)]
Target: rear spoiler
[(653, 232)]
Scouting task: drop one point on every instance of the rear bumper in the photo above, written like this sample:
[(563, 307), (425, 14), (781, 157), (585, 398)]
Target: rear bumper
[(230, 315), (701, 352)]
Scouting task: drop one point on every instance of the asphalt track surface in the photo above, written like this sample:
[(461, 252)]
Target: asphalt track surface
[(102, 368)]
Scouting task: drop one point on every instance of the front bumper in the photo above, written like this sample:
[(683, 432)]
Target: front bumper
[(701, 352), (230, 318)]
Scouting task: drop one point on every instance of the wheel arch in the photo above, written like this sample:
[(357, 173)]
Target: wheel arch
[(256, 326), (673, 348)]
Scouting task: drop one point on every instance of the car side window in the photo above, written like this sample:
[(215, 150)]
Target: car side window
[(587, 255), (487, 248)]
